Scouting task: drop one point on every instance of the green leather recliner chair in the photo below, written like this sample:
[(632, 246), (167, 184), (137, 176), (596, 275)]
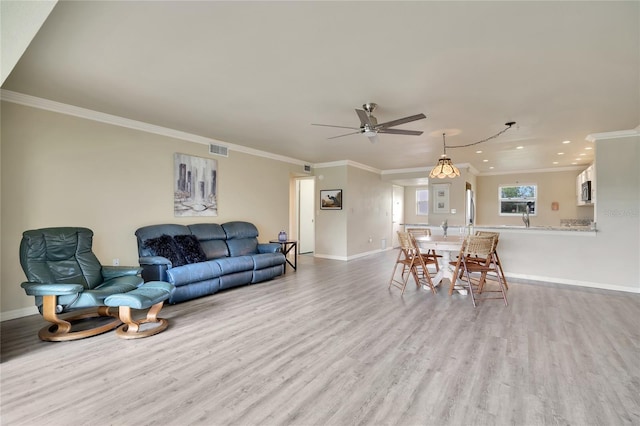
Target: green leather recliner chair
[(70, 284)]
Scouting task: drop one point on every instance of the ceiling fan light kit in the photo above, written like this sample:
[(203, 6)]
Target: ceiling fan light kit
[(369, 124), (445, 167)]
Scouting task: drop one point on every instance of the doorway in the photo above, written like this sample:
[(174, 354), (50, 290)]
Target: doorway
[(305, 207), (397, 214)]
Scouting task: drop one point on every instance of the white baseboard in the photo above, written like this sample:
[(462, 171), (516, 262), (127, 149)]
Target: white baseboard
[(348, 258), (573, 282), (18, 313)]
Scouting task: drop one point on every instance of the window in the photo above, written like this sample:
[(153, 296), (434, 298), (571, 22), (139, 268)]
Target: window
[(515, 198), (422, 202)]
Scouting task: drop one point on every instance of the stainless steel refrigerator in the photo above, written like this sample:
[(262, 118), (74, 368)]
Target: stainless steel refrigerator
[(470, 208)]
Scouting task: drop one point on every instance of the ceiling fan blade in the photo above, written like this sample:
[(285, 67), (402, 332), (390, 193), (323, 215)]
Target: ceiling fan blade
[(401, 132), (339, 127), (401, 121), (364, 117), (346, 134), (374, 138)]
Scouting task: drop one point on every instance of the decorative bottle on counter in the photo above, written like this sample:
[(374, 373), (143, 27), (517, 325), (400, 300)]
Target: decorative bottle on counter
[(282, 236)]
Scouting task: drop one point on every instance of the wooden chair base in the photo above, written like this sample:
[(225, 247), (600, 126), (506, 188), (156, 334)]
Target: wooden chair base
[(131, 329), (61, 329)]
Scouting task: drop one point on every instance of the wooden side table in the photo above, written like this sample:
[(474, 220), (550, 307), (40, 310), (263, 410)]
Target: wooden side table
[(287, 246)]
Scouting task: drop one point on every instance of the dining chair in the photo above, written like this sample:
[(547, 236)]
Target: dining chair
[(481, 281), (411, 263), (430, 256), (495, 252), (476, 257)]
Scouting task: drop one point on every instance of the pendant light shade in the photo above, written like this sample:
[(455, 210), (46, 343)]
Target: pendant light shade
[(444, 168)]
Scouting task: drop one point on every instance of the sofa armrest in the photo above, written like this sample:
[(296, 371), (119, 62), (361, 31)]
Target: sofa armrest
[(154, 260), (269, 248), (109, 272), (154, 268), (52, 289)]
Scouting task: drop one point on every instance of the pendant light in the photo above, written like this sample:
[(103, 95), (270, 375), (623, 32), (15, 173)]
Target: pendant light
[(444, 168)]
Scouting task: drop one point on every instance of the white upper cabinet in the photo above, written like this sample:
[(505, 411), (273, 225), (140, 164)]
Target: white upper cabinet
[(586, 187)]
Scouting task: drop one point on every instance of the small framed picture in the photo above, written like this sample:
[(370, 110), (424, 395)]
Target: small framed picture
[(441, 198), (331, 199)]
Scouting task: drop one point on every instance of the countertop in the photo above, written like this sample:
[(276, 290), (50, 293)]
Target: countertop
[(572, 228)]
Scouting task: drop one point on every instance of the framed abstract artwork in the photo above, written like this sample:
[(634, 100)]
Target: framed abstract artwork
[(195, 186)]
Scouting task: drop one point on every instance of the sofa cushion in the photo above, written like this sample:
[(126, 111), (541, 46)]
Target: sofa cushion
[(266, 260), (240, 229), (190, 248), (241, 238), (207, 231), (231, 265), (214, 249), (166, 246), (242, 246), (155, 231), (193, 273), (212, 238)]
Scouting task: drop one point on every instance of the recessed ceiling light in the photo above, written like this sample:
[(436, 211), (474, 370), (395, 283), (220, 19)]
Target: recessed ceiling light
[(589, 147), (565, 142), (582, 153), (491, 168), (555, 162), (478, 152), (574, 163), (561, 153), (485, 161), (519, 147)]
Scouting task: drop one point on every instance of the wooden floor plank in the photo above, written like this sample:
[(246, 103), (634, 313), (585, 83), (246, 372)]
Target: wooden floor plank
[(330, 344)]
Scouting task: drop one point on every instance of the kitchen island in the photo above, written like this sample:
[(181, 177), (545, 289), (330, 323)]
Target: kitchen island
[(552, 254)]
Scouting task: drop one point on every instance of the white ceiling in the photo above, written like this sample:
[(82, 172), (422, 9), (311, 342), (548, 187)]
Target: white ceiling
[(258, 74)]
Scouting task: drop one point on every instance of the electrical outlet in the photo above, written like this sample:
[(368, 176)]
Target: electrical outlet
[(116, 262)]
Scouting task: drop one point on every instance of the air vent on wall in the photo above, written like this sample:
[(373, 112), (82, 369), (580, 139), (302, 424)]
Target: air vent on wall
[(218, 150), (307, 168)]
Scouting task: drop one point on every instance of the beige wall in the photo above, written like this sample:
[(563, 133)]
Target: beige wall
[(365, 215), (410, 208), (456, 200), (59, 170), (369, 212), (552, 186), (331, 225)]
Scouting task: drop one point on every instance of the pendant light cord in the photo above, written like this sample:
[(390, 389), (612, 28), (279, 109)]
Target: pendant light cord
[(509, 125)]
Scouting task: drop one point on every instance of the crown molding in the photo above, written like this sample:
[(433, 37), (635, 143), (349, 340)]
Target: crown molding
[(347, 163), (88, 114), (428, 169), (550, 170), (613, 135), (404, 171)]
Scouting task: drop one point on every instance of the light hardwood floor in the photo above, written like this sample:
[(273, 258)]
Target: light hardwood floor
[(331, 345)]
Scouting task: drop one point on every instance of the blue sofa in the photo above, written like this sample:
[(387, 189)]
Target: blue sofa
[(204, 258)]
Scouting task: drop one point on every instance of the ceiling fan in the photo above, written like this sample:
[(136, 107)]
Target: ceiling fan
[(369, 124)]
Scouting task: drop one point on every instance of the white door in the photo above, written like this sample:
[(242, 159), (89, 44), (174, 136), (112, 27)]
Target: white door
[(397, 213), (305, 189)]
